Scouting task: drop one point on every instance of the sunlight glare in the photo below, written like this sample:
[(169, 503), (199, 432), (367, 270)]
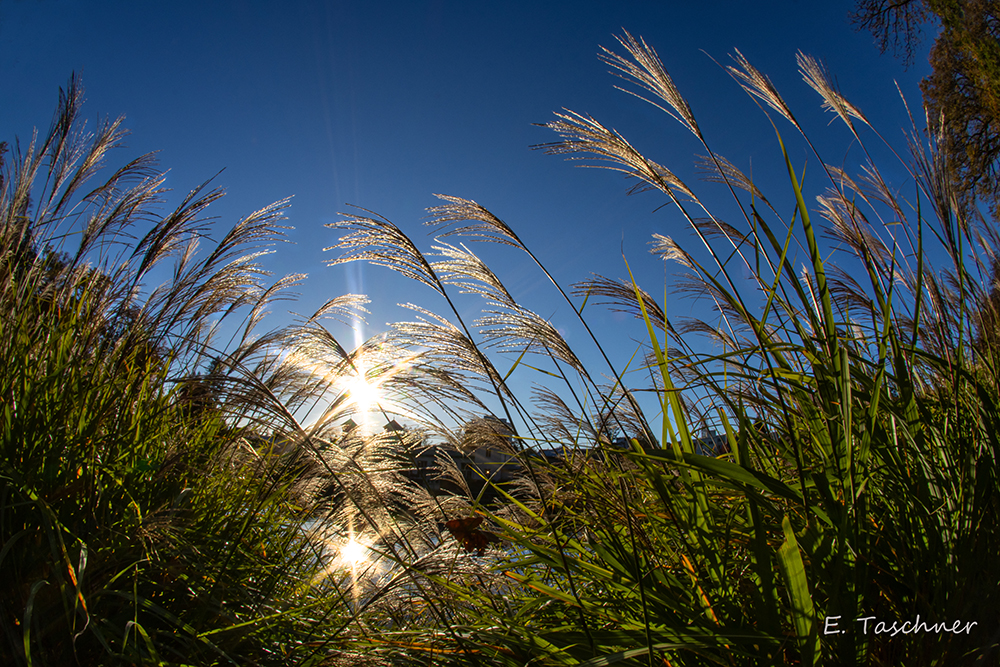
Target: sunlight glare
[(353, 553), (362, 393)]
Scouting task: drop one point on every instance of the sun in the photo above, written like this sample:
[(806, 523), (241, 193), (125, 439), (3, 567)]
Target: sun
[(364, 394), (353, 553)]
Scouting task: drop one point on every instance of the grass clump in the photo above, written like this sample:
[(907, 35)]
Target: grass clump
[(854, 385), (155, 497)]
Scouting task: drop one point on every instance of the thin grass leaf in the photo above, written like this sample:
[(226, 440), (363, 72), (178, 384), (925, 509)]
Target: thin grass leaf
[(803, 614)]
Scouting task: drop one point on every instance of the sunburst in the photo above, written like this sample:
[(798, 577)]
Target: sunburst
[(361, 391)]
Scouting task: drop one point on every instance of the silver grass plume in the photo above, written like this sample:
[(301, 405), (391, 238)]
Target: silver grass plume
[(759, 86), (377, 240), (584, 137), (713, 332), (620, 296), (441, 341), (619, 415), (347, 308), (558, 423), (517, 329), (815, 74), (648, 72), (667, 249), (875, 188), (485, 226), (851, 227), (695, 282), (465, 270), (278, 291), (717, 169), (850, 295), (177, 232), (933, 177)]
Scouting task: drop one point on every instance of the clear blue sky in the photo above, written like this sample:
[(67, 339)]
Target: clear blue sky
[(381, 104)]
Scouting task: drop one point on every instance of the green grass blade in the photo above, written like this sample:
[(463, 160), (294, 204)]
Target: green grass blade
[(803, 615)]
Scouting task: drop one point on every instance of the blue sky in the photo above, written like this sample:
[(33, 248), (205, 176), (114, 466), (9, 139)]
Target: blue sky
[(382, 104)]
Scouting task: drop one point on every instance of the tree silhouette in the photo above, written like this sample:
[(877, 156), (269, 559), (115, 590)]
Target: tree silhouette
[(896, 24), (962, 94)]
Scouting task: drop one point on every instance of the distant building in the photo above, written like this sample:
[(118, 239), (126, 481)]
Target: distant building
[(484, 453), (488, 444), (427, 471), (711, 443)]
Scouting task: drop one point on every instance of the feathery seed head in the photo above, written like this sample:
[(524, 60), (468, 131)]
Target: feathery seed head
[(815, 74), (648, 72), (758, 85)]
